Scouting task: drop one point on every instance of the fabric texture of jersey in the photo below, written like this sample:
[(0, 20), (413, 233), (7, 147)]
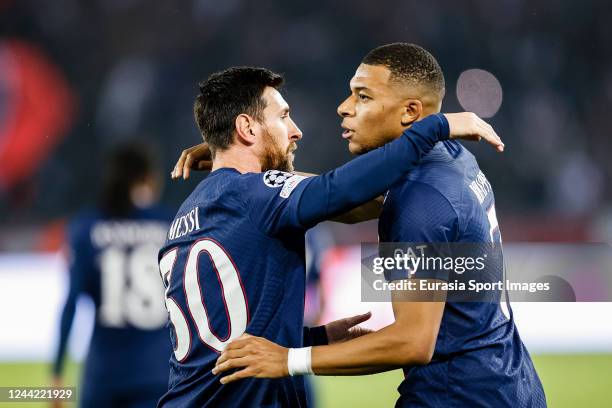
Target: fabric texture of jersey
[(479, 358)]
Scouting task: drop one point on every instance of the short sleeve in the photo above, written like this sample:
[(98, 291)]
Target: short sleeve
[(272, 200), (423, 218)]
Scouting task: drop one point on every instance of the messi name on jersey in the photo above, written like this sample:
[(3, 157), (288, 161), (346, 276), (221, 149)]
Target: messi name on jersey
[(481, 187), (185, 224)]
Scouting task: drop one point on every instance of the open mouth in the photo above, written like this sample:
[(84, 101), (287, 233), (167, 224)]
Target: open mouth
[(347, 133)]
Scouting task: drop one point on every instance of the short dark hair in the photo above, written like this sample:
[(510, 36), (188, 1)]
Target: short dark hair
[(409, 62), (227, 94)]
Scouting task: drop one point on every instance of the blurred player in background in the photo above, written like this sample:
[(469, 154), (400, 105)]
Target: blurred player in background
[(465, 354), (234, 258), (113, 260), (318, 240)]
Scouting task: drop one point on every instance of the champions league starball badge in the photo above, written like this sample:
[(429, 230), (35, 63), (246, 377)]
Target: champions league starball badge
[(276, 178)]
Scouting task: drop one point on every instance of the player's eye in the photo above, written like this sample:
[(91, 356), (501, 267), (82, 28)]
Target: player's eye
[(363, 97)]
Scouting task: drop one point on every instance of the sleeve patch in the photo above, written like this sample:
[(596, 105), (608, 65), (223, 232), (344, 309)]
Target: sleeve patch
[(290, 185), (276, 178)]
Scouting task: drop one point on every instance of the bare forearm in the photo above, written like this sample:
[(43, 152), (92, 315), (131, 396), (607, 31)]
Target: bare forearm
[(409, 341), (359, 370), (383, 350)]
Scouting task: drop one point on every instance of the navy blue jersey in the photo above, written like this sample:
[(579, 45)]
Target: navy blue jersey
[(114, 262), (479, 358), (234, 263), (234, 276)]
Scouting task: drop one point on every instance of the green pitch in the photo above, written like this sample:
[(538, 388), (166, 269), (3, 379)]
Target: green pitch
[(580, 380)]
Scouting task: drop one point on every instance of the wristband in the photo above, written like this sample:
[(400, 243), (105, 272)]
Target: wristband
[(318, 336), (299, 361)]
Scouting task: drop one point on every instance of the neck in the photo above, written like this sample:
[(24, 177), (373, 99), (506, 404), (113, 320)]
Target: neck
[(239, 158)]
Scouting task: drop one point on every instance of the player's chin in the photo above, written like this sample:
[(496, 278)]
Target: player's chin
[(356, 148), (289, 162)]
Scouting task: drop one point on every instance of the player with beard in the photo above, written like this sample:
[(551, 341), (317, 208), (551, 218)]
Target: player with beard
[(464, 354), (234, 258)]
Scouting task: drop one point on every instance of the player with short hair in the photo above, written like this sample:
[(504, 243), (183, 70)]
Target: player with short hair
[(466, 354), (234, 258), (113, 260)]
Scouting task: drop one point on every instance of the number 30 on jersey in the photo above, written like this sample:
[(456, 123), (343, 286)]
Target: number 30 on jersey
[(231, 291)]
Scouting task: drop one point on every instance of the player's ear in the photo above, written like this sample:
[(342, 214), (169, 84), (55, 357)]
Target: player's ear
[(245, 129), (412, 111)]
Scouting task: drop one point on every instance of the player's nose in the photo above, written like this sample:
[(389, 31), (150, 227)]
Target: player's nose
[(345, 108), (295, 133)]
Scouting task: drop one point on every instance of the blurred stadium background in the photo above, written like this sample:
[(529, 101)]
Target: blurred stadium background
[(77, 77)]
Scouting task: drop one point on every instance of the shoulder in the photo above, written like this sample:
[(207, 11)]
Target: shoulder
[(79, 227), (83, 221), (220, 186), (270, 178), (419, 213), (444, 170), (423, 197), (449, 171), (271, 183)]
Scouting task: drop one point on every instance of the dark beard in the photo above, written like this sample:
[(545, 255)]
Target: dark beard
[(274, 158)]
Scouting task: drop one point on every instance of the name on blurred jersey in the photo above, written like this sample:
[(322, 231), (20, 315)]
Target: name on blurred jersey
[(128, 233), (480, 187), (185, 224)]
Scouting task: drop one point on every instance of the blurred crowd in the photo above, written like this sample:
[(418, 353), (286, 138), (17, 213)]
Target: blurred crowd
[(77, 77)]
